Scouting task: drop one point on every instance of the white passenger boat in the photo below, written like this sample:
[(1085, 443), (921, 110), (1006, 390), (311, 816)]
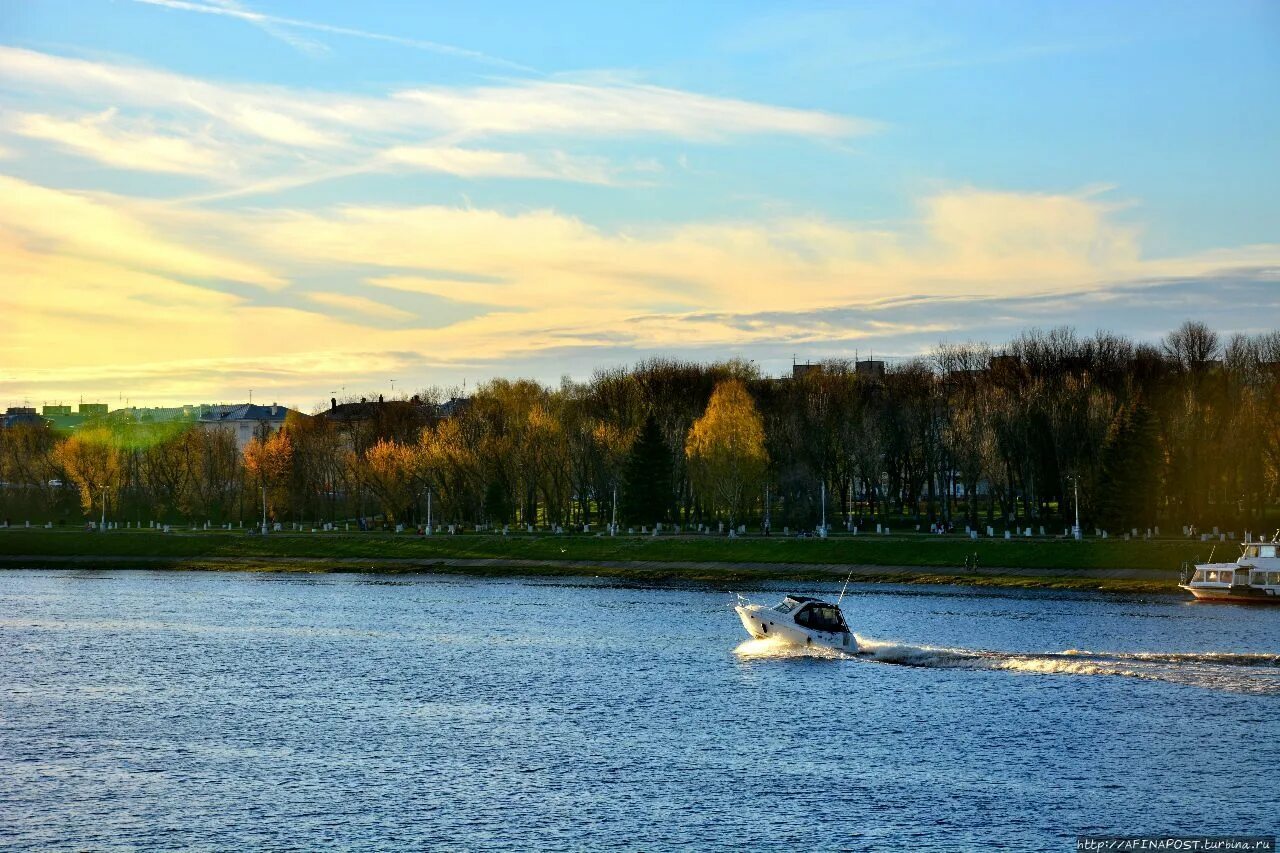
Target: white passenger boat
[(800, 620), (1252, 579)]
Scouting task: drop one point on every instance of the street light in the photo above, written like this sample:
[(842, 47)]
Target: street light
[(824, 509), (1075, 487)]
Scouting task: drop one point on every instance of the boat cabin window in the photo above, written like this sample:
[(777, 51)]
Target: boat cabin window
[(1251, 551), (1198, 576), (821, 618), (1267, 551), (785, 607), (1258, 578), (1273, 578)]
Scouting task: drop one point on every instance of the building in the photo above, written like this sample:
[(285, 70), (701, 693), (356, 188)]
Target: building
[(245, 421), (158, 414), (869, 368), (16, 416), (800, 371)]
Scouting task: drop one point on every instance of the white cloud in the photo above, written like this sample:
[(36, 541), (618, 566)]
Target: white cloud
[(481, 163), (96, 137), (616, 108), (77, 225), (131, 117), (536, 283)]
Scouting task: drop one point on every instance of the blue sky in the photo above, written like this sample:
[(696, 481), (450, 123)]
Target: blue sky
[(298, 194)]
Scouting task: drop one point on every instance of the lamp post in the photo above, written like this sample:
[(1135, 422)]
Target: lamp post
[(613, 525), (428, 510), (766, 509), (823, 532), (103, 524), (264, 509), (1075, 488)]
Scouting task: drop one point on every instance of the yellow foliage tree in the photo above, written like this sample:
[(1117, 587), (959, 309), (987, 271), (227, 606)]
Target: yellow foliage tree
[(93, 461), (269, 460), (395, 473), (726, 452)]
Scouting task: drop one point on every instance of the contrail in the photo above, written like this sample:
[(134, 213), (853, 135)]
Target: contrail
[(262, 19)]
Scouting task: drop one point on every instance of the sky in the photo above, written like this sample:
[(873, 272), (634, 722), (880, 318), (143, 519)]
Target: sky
[(200, 199)]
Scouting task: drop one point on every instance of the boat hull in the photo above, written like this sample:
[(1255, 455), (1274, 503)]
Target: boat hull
[(1231, 595)]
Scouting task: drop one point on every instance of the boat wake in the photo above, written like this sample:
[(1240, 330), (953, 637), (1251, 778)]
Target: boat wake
[(1237, 673), (775, 648)]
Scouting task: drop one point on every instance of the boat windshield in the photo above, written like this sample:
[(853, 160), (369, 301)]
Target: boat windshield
[(785, 607), (821, 617)]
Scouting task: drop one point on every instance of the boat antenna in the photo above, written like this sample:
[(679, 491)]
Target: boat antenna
[(846, 586)]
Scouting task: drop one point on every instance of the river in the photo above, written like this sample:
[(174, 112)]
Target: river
[(169, 710)]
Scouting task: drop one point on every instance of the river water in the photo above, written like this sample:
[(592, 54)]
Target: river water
[(161, 711)]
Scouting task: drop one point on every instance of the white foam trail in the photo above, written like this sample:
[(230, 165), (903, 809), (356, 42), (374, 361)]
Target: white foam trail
[(1217, 658), (1051, 665), (1247, 673), (925, 656), (772, 647)]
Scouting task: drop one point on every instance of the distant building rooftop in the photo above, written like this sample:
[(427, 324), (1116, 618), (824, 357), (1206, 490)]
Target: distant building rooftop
[(244, 412), (20, 416), (869, 367)]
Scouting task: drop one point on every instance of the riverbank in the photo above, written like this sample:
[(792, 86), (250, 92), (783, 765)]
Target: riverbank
[(1113, 565)]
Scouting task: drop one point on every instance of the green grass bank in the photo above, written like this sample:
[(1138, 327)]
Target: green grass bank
[(1030, 562)]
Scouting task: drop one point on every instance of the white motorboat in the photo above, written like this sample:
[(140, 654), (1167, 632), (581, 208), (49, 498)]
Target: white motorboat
[(1252, 579), (799, 620)]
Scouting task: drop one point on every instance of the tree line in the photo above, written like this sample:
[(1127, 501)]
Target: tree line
[(1137, 435)]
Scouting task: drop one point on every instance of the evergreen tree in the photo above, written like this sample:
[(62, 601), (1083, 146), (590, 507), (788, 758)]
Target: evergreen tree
[(646, 482), (497, 504), (1130, 466)]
